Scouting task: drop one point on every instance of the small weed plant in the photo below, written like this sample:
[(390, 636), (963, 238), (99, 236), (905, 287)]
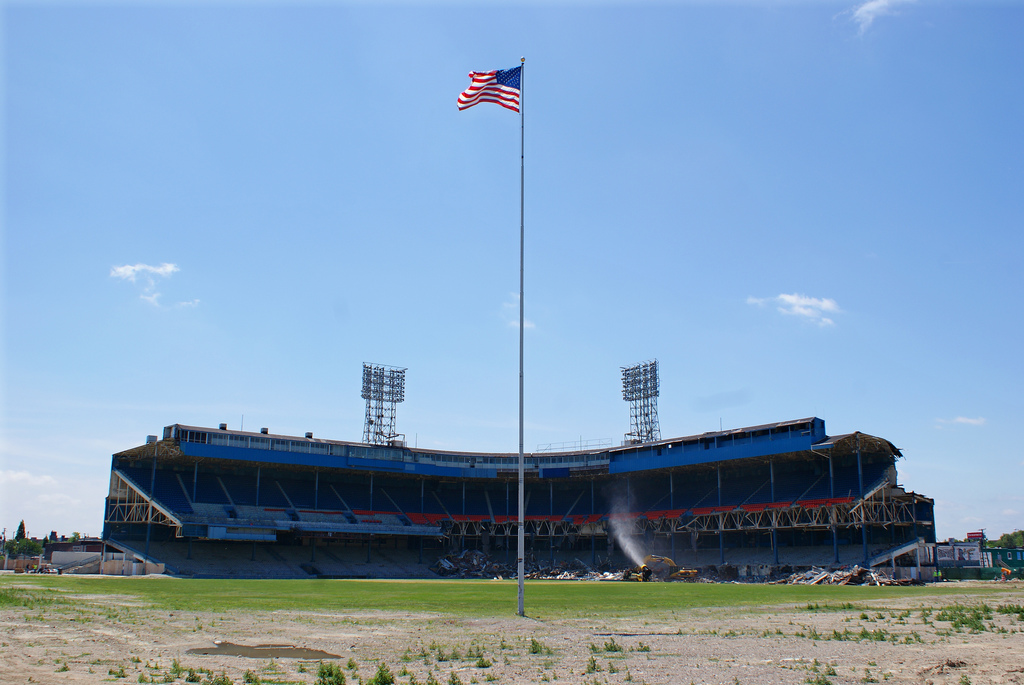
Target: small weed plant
[(383, 676), (329, 674)]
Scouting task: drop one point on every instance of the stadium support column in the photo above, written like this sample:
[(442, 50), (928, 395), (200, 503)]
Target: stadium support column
[(721, 539), (593, 535), (672, 505), (831, 479), (835, 528), (860, 489), (835, 538), (721, 521), (152, 491), (775, 532), (917, 549), (508, 512), (551, 529), (462, 538), (423, 510)]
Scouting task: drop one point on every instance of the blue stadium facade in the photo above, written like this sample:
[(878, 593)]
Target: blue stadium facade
[(751, 494)]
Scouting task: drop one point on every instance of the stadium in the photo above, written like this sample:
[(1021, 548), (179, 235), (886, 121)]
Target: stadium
[(213, 502)]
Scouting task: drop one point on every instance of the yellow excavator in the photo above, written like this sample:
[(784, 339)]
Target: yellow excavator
[(656, 567)]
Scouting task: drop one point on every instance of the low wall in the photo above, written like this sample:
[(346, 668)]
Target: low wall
[(968, 573), (65, 558), (128, 567), (19, 565)]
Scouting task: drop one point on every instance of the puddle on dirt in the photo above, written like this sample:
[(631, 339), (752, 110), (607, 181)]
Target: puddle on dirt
[(263, 651)]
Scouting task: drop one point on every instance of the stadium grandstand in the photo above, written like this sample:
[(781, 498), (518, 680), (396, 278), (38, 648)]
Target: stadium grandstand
[(219, 502)]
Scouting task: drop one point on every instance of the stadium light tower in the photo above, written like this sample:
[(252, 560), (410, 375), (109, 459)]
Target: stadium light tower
[(383, 388), (640, 387)]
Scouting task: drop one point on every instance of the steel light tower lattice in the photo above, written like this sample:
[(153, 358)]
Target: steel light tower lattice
[(383, 388), (640, 387)]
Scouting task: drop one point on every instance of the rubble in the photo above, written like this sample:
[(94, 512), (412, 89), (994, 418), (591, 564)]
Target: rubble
[(473, 563), (852, 575)]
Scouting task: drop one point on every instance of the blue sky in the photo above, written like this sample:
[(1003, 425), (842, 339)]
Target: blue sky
[(218, 210)]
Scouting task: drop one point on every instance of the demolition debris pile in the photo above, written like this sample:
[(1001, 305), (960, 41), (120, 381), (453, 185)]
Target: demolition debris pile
[(854, 575), (473, 563), (476, 564)]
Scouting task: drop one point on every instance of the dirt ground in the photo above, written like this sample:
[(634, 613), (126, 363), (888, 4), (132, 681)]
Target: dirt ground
[(897, 641)]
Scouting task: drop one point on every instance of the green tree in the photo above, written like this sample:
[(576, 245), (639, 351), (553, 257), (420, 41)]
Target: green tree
[(1014, 539), (20, 535), (23, 546), (76, 536)]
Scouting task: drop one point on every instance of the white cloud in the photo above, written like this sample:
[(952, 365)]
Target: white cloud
[(24, 479), (962, 421), (64, 502), (148, 275), (57, 499), (130, 271), (810, 308), (866, 12)]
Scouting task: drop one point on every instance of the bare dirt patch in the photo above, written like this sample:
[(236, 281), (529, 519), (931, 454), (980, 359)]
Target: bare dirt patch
[(929, 640)]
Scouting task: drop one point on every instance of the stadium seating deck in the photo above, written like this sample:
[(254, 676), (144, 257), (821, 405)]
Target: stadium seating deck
[(235, 496), (249, 495)]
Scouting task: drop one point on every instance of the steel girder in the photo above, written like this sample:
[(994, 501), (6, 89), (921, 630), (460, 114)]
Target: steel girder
[(883, 508), (127, 504)]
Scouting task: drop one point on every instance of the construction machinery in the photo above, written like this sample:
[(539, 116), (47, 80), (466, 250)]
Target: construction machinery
[(1006, 571), (655, 567)]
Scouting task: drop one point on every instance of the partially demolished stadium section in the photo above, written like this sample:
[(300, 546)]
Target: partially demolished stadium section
[(763, 497)]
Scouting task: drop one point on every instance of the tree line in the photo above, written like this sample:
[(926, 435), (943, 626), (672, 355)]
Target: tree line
[(21, 544), (1014, 539)]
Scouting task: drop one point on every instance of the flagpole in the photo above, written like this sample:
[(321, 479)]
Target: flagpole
[(522, 242)]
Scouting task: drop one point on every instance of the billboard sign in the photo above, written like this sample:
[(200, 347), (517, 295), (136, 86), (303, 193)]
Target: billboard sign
[(958, 554)]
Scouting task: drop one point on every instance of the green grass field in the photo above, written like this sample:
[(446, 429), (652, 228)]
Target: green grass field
[(466, 598), (430, 632)]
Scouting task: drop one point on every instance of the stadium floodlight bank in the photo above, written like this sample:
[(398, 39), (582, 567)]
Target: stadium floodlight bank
[(383, 388), (257, 504), (641, 387)]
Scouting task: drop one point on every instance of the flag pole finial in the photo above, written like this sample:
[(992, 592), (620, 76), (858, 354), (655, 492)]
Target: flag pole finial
[(523, 60)]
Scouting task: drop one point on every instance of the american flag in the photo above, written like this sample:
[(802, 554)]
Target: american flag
[(500, 87)]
